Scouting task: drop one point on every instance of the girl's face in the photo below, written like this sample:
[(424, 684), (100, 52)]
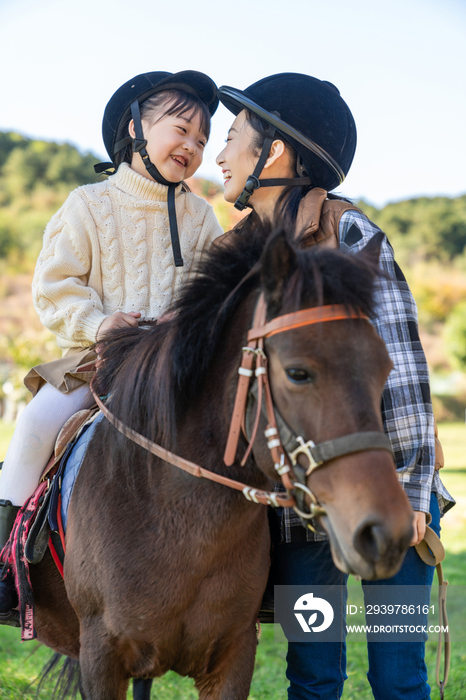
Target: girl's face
[(237, 159), (175, 144)]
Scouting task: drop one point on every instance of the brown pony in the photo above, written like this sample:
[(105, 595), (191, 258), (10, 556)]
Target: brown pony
[(167, 571)]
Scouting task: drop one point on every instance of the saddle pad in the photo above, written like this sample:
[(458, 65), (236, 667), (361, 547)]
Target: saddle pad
[(73, 464)]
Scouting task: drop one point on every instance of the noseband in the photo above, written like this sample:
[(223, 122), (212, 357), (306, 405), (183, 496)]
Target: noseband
[(286, 448), (289, 450)]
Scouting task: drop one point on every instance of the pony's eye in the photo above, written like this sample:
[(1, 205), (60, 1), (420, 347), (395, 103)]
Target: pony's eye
[(299, 376)]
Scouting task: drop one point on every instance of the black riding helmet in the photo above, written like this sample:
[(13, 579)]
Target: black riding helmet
[(126, 101), (310, 114)]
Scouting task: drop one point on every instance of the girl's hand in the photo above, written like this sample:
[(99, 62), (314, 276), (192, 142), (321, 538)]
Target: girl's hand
[(419, 525), (118, 320)]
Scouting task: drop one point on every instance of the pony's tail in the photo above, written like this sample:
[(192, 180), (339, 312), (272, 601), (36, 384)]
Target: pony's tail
[(67, 677)]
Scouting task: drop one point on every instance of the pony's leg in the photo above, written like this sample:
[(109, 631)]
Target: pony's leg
[(229, 677), (102, 676), (141, 688)]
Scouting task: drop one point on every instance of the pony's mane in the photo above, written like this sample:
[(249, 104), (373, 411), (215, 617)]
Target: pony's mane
[(154, 372)]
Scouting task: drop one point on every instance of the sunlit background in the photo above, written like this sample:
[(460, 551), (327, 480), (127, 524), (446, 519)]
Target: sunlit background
[(399, 65)]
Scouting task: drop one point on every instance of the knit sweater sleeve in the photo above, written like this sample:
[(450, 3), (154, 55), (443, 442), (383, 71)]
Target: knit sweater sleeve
[(63, 299)]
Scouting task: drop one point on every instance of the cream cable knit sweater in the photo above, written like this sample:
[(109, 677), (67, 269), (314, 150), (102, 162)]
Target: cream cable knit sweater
[(109, 249)]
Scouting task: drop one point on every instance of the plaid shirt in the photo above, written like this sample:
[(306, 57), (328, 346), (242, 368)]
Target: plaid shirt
[(406, 404)]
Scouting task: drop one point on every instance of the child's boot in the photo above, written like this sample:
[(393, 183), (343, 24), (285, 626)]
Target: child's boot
[(8, 597)]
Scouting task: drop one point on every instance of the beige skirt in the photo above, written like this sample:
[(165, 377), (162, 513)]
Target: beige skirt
[(64, 373)]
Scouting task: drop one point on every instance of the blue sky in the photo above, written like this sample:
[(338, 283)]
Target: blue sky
[(400, 66)]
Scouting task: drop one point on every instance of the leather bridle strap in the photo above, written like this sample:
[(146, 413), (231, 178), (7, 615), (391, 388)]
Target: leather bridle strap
[(348, 444), (271, 498), (245, 372), (305, 317), (258, 332)]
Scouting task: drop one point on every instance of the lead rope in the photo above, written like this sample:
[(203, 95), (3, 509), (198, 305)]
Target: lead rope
[(432, 553)]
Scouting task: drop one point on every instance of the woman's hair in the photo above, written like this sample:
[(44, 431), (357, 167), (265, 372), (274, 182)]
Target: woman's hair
[(288, 203), (159, 105)]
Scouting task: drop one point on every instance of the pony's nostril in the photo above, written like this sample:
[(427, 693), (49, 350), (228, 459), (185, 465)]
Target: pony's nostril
[(370, 541)]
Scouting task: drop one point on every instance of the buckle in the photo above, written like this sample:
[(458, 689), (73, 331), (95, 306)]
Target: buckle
[(305, 448), (251, 185), (139, 144)]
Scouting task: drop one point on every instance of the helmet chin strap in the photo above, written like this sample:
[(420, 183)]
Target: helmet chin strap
[(253, 182), (139, 146)]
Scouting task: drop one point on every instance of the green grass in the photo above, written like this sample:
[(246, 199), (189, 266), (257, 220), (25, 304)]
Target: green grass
[(21, 663)]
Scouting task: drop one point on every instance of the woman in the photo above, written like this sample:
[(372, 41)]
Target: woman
[(292, 142)]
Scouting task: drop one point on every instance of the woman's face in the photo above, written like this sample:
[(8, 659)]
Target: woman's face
[(237, 159)]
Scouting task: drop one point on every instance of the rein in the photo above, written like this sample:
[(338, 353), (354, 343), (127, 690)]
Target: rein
[(286, 459), (317, 455), (268, 498)]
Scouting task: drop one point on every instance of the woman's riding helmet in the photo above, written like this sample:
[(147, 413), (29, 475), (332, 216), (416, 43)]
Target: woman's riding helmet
[(311, 115)]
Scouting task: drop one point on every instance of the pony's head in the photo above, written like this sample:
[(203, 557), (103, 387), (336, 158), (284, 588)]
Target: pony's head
[(327, 381)]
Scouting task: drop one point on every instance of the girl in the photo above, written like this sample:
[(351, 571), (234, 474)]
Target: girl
[(107, 258), (293, 140)]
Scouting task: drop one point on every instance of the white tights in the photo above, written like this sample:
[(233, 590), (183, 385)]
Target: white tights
[(34, 439)]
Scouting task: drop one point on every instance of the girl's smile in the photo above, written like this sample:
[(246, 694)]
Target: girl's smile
[(175, 145)]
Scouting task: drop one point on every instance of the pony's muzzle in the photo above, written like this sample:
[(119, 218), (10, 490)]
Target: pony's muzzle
[(372, 541)]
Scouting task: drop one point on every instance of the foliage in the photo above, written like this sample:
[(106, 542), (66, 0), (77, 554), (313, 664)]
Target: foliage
[(428, 234), (425, 228), (24, 350), (455, 335), (437, 290), (35, 179)]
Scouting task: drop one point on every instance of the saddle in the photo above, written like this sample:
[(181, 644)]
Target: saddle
[(48, 518), (38, 524)]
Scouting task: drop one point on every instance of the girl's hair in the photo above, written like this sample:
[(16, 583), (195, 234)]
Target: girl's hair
[(288, 203), (163, 104)]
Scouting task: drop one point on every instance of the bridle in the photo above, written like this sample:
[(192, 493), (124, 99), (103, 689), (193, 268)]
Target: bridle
[(285, 447)]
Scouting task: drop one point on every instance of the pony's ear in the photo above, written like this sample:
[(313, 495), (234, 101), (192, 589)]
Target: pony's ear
[(278, 262), (371, 251)]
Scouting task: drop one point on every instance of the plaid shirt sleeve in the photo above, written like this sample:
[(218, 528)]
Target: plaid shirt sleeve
[(406, 403)]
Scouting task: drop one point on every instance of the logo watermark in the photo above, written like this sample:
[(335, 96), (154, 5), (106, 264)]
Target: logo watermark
[(307, 602), (369, 612)]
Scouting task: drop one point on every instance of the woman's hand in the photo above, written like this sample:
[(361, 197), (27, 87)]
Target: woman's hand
[(419, 526), (119, 319)]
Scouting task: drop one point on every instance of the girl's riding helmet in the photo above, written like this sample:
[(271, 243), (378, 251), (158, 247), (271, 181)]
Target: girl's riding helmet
[(125, 103), (311, 115), (143, 86)]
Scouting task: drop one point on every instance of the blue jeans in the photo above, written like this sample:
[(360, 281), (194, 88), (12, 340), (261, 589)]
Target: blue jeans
[(318, 671)]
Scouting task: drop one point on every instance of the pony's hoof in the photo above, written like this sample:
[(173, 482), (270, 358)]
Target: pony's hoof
[(10, 618)]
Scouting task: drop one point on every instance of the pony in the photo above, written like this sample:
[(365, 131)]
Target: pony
[(167, 571)]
